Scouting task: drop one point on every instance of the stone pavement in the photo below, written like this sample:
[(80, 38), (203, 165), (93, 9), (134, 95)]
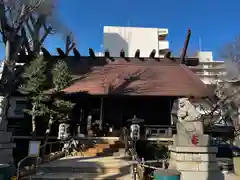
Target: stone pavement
[(79, 168), (231, 176)]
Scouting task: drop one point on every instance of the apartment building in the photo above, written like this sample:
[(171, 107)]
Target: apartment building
[(130, 39), (209, 70)]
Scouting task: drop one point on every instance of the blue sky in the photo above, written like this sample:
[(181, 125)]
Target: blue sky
[(215, 21)]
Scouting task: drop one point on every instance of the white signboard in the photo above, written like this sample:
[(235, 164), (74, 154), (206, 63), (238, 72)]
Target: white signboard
[(34, 148)]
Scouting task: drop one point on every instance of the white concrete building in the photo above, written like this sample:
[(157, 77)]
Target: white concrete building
[(208, 70), (132, 38)]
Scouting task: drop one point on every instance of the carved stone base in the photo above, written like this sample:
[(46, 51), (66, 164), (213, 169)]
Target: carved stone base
[(6, 148), (198, 163), (6, 144), (186, 140)]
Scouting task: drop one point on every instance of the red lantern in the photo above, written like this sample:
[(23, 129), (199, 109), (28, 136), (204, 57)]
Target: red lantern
[(195, 139)]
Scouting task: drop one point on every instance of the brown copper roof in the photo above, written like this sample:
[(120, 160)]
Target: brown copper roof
[(161, 79)]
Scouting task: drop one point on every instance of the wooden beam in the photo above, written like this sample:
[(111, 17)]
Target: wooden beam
[(91, 53), (76, 53), (107, 53), (137, 53), (152, 54), (122, 53), (60, 52), (184, 52), (168, 55), (45, 52)]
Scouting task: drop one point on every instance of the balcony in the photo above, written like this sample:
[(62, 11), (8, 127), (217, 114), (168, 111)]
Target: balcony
[(163, 44), (210, 74)]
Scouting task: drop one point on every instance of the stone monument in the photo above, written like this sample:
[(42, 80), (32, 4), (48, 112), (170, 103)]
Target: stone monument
[(192, 153), (6, 144)]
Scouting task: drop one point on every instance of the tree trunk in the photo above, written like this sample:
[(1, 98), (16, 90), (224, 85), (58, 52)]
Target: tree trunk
[(46, 136), (34, 136), (34, 124)]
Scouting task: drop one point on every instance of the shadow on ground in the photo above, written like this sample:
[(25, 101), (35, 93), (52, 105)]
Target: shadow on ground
[(85, 168), (124, 171)]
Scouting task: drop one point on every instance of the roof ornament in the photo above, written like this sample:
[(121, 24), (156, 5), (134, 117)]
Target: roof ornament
[(137, 53), (91, 53), (122, 53), (168, 54), (152, 54), (45, 52), (60, 52), (76, 53), (183, 54), (107, 53)]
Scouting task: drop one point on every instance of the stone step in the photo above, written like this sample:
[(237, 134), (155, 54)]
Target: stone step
[(79, 176), (86, 154), (119, 154), (103, 146), (84, 168), (69, 169), (117, 144), (107, 152), (102, 149), (92, 150), (101, 169)]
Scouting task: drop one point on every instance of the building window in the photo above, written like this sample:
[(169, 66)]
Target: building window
[(20, 106), (162, 37)]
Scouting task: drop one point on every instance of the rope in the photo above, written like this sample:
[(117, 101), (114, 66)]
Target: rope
[(151, 167), (143, 164)]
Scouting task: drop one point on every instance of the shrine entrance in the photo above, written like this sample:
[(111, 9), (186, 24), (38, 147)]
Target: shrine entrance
[(114, 111)]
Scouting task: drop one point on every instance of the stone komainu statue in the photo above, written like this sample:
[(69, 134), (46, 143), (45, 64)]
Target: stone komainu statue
[(189, 121)]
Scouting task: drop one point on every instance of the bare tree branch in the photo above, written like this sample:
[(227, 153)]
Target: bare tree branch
[(21, 25), (70, 44)]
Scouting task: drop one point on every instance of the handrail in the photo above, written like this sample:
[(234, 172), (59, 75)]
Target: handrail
[(21, 161), (37, 157), (139, 165), (159, 126)]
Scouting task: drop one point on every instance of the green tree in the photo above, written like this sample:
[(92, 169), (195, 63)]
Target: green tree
[(61, 79), (24, 27), (60, 109), (34, 85), (61, 76)]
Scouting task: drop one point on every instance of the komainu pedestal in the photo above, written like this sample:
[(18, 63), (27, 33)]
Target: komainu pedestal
[(195, 161)]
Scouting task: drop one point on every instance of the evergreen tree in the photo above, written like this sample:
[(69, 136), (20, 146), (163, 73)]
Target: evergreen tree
[(61, 79), (60, 109), (61, 76), (35, 79)]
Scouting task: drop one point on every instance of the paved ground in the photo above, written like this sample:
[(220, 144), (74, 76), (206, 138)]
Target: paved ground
[(117, 168), (109, 161), (231, 177), (96, 162), (237, 165), (83, 176)]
